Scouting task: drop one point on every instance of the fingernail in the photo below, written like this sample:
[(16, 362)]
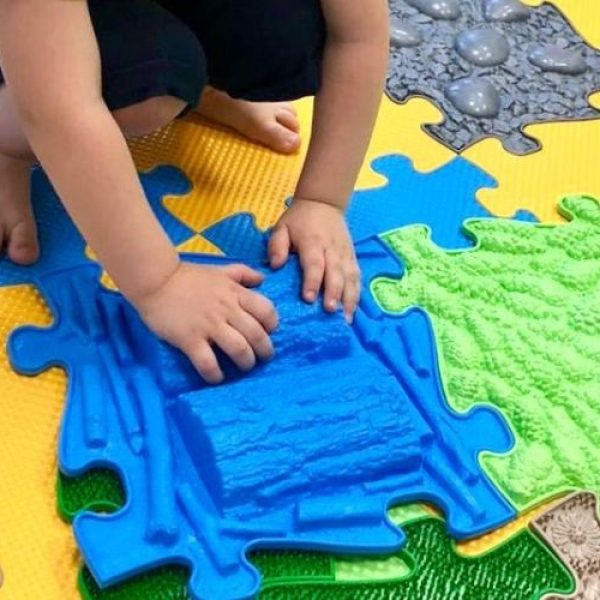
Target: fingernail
[(309, 296), (332, 305)]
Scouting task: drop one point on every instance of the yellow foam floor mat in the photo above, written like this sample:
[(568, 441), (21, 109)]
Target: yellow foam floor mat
[(37, 554), (567, 164)]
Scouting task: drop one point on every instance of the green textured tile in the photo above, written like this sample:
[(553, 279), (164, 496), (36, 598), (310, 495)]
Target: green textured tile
[(517, 321)]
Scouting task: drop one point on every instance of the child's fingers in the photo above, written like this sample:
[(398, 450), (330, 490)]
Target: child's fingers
[(351, 294), (204, 360), (279, 247), (312, 261), (334, 281), (261, 309), (254, 333), (236, 346), (244, 275)]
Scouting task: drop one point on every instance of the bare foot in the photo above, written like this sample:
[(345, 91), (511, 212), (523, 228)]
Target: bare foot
[(273, 124), (18, 233)]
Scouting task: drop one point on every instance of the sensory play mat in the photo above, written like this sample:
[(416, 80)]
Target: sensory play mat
[(443, 447)]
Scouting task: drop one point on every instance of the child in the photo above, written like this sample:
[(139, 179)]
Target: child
[(79, 76)]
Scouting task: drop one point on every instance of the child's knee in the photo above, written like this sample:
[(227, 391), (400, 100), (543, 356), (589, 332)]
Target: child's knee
[(266, 53), (153, 66), (149, 115)]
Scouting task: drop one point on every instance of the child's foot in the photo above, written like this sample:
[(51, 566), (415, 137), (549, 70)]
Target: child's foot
[(18, 233), (273, 124)]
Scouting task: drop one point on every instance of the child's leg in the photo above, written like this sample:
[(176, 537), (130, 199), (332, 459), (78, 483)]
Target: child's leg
[(17, 226), (153, 69), (260, 55), (267, 51)]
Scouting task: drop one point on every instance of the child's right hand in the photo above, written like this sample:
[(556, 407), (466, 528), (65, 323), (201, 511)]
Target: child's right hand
[(200, 307)]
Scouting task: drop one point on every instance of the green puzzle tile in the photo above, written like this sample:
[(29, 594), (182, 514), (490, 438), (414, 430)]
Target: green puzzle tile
[(522, 569), (428, 568), (517, 321), (101, 491), (97, 491)]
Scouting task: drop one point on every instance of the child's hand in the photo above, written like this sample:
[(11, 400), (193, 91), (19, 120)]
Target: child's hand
[(200, 307), (318, 233)]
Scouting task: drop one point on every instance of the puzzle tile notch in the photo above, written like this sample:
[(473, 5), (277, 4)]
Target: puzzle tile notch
[(204, 500), (537, 80), (538, 181), (238, 236)]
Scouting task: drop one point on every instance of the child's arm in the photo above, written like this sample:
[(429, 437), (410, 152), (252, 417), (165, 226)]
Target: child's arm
[(354, 71), (51, 62)]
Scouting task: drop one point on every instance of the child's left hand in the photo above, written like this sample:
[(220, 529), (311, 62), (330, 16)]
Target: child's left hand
[(318, 233)]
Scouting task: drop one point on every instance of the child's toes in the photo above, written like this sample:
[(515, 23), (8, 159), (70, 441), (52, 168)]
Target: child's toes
[(288, 119), (22, 243), (288, 107), (279, 138)]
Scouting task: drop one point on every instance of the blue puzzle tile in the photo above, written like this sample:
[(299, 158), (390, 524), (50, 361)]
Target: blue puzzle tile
[(308, 451), (238, 236), (62, 245), (159, 183), (442, 199)]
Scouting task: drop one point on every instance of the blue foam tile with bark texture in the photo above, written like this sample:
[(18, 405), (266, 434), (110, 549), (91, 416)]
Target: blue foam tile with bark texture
[(307, 451)]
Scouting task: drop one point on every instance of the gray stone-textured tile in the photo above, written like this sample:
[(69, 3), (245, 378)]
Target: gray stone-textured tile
[(522, 65)]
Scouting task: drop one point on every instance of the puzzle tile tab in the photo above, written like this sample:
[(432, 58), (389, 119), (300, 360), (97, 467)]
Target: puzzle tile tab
[(584, 16)]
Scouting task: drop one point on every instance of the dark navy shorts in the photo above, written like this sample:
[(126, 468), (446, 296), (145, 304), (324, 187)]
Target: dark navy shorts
[(264, 50)]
